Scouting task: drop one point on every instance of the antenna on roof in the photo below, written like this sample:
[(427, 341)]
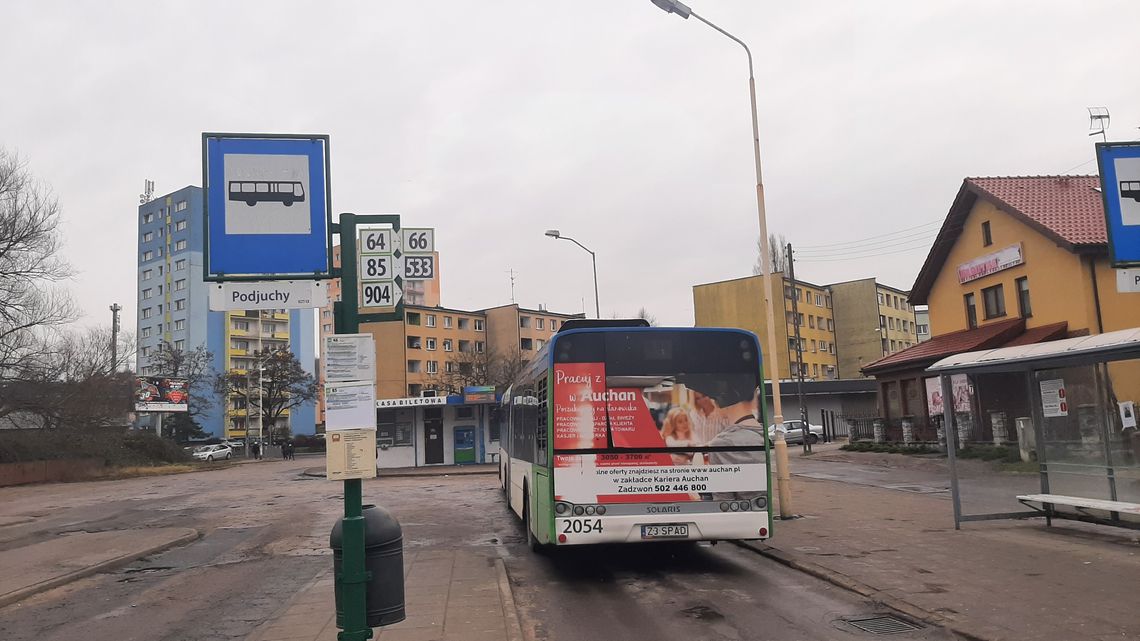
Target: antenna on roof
[(512, 272), (148, 192), (1098, 122)]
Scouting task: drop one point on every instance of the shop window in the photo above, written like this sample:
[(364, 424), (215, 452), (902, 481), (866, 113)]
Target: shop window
[(994, 300)]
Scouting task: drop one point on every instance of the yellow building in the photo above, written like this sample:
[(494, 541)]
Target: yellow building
[(1018, 260), (872, 320), (740, 303), (246, 334)]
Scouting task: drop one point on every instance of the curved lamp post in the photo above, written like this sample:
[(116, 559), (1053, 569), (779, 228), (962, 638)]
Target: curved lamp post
[(554, 233)]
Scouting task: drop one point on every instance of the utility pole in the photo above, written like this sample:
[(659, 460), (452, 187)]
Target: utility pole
[(799, 347), (115, 309)]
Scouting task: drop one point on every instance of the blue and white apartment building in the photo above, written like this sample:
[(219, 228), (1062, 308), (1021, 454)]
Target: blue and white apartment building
[(173, 306)]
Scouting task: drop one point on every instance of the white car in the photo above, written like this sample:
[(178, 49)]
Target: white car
[(793, 432), (213, 453), (234, 444)]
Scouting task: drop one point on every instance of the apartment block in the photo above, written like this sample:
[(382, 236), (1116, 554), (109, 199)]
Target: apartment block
[(872, 320)]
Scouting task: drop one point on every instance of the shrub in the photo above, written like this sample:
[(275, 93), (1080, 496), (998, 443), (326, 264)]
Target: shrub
[(113, 446)]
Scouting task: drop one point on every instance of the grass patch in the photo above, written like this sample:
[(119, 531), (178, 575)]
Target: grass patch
[(888, 448)]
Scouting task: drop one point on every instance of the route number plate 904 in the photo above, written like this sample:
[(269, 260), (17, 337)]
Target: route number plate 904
[(665, 531)]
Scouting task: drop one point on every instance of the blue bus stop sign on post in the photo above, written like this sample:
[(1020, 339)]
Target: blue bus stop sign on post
[(267, 206), (1120, 184)]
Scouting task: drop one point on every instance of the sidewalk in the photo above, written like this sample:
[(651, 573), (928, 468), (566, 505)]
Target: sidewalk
[(451, 594), (995, 580), (427, 470)]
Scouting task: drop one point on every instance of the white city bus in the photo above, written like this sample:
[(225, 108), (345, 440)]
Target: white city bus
[(618, 433)]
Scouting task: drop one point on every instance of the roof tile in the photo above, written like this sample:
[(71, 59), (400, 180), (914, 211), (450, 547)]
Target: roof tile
[(1069, 206), (939, 347)]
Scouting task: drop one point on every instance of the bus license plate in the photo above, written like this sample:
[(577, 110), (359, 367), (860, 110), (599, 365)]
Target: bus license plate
[(665, 531)]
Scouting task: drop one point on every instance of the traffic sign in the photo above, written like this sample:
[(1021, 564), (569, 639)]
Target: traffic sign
[(1120, 187), (384, 293), (273, 294), (417, 267), (267, 205), (377, 267), (376, 241), (421, 240)]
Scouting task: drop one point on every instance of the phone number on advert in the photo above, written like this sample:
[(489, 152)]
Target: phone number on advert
[(679, 487)]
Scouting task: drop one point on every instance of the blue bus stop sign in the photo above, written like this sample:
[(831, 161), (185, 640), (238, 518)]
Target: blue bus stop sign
[(267, 206), (1120, 184)]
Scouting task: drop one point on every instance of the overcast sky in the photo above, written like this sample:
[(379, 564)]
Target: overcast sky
[(618, 124)]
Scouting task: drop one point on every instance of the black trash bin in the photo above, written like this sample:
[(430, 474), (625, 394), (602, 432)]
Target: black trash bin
[(384, 558)]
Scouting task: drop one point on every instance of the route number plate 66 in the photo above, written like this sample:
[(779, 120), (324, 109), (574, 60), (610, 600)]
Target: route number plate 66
[(665, 531)]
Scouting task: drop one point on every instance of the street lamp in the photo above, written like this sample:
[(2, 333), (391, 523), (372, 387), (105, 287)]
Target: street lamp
[(554, 233), (782, 476)]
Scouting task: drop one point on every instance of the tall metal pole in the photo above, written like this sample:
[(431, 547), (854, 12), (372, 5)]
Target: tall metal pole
[(115, 309), (597, 305), (260, 382), (799, 349), (783, 477)]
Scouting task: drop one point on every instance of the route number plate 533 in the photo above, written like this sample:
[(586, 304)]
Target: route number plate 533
[(665, 531)]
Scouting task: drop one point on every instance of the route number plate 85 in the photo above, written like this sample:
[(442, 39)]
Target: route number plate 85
[(665, 531)]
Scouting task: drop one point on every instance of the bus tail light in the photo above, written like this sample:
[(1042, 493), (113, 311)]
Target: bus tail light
[(589, 510), (724, 507), (561, 508), (763, 531), (761, 502), (579, 510), (601, 510), (561, 538)]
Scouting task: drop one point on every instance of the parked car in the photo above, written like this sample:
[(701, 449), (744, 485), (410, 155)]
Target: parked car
[(213, 452), (793, 432), (234, 443)]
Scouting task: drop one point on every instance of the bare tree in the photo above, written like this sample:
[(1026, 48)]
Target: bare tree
[(778, 246), (647, 317), (31, 302), (195, 365), (472, 368), (281, 385)]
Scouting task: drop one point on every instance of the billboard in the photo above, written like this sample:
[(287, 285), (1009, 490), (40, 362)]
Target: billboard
[(161, 394)]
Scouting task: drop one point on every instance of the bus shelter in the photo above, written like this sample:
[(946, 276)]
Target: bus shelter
[(1079, 429)]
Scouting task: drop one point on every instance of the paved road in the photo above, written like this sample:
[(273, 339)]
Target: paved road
[(264, 537)]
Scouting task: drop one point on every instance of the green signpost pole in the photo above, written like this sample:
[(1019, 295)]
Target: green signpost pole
[(353, 578)]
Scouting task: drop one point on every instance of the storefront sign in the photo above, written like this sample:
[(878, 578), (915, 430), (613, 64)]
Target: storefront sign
[(415, 401), (1053, 398), (479, 394), (350, 454), (990, 263)]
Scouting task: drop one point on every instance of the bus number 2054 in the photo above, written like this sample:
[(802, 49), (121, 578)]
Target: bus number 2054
[(582, 526)]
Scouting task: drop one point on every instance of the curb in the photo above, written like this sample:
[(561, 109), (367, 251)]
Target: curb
[(841, 580), (19, 595), (510, 609)]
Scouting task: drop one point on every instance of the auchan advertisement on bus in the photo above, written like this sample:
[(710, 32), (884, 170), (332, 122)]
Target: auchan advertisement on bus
[(645, 412)]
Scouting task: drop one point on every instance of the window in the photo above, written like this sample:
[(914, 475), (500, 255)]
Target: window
[(430, 320), (414, 367), (241, 326), (414, 342), (539, 323), (146, 351), (147, 273), (819, 322), (880, 298), (819, 300), (180, 225), (811, 322), (971, 310), (524, 322), (180, 284), (799, 293), (447, 344), (429, 344), (180, 264), (433, 367), (414, 318), (891, 323), (922, 329), (885, 351), (148, 218), (1023, 306), (327, 327), (987, 237), (180, 245), (813, 346), (148, 255), (147, 293), (538, 343), (526, 344), (480, 347), (553, 325), (145, 332), (882, 321), (180, 304), (146, 312), (800, 319), (147, 237), (994, 300), (830, 325), (180, 205), (827, 302), (815, 370), (893, 346), (447, 322), (464, 346), (160, 290), (449, 367), (180, 345), (896, 302), (478, 325), (788, 292), (464, 323), (179, 325)]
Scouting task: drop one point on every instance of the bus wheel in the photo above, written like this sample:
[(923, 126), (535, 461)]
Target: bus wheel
[(531, 539), (251, 202), (288, 203)]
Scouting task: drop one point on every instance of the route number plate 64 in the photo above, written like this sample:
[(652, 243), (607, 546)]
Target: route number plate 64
[(665, 531)]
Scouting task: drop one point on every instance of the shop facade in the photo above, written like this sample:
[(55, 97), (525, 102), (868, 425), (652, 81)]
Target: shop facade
[(436, 430)]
